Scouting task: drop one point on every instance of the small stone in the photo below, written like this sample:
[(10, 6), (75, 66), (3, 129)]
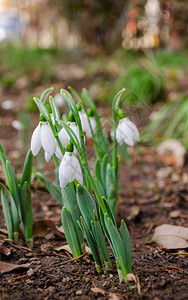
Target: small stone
[(30, 272), (175, 214), (79, 292), (87, 279), (111, 276)]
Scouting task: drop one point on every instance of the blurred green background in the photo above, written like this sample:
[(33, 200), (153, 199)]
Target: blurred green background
[(104, 46)]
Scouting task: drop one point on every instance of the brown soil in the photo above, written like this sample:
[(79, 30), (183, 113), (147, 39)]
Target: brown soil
[(146, 201)]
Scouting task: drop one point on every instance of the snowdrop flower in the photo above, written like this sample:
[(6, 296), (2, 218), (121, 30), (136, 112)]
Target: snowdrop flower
[(127, 132), (60, 101), (69, 170), (43, 136), (64, 137), (85, 124)]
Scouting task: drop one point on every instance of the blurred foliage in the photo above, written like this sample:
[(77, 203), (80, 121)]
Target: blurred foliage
[(169, 122), (31, 66)]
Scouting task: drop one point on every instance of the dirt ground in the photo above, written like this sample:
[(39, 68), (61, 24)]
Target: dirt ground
[(149, 197)]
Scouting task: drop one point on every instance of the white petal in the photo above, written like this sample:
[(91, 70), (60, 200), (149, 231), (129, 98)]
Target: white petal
[(84, 121), (127, 134), (63, 136), (47, 138), (35, 140), (58, 153), (134, 129), (47, 156), (66, 170)]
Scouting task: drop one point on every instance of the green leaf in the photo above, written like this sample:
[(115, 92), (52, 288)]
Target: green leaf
[(70, 202), (13, 211), (92, 244), (70, 232), (7, 215), (100, 240), (26, 213), (52, 189), (98, 170), (27, 168), (100, 187), (42, 108), (55, 109), (127, 245), (86, 203), (103, 169), (118, 247), (111, 187), (45, 93), (13, 183)]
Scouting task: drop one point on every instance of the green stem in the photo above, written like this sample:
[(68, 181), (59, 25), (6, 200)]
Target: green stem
[(114, 108)]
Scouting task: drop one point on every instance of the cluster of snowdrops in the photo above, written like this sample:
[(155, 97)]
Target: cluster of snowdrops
[(88, 201)]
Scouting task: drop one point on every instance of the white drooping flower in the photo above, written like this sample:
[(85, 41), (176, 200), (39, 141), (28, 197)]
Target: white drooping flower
[(64, 137), (85, 124), (127, 132), (69, 170), (43, 136)]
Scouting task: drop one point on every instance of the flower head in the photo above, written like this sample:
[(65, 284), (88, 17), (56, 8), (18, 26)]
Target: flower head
[(85, 124), (127, 132), (43, 136), (69, 170)]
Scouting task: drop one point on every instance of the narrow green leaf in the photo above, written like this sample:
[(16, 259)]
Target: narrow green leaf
[(52, 189), (55, 109), (103, 169), (100, 187), (86, 203), (98, 170), (27, 168), (100, 240), (127, 245), (117, 245), (70, 232), (27, 213), (45, 93), (13, 183), (13, 211), (7, 215), (42, 108), (111, 187), (92, 244), (70, 202)]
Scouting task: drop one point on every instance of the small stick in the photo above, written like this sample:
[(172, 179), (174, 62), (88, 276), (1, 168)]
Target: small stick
[(19, 277)]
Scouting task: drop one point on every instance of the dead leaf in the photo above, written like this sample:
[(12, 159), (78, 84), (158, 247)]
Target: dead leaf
[(40, 228), (7, 267), (98, 291), (171, 236), (67, 248), (4, 250)]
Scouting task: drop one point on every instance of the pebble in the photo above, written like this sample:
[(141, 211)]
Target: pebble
[(30, 272), (87, 279), (79, 292)]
